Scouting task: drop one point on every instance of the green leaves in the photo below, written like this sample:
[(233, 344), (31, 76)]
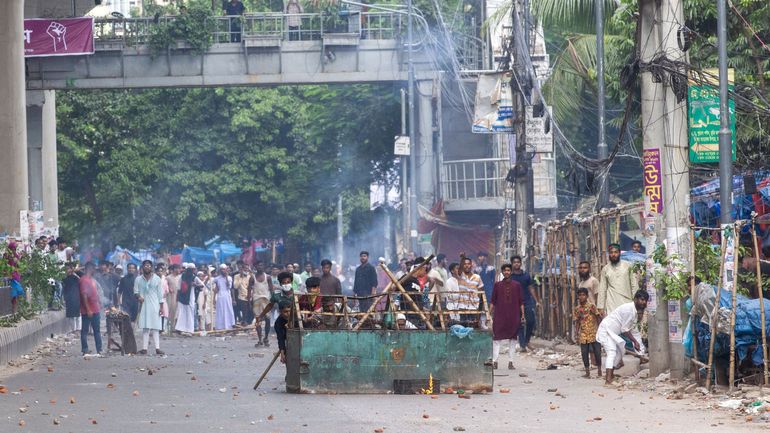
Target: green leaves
[(182, 165)]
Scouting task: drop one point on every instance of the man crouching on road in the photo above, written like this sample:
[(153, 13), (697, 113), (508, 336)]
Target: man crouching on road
[(620, 322)]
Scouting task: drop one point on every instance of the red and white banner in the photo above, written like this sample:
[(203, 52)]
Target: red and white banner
[(58, 37)]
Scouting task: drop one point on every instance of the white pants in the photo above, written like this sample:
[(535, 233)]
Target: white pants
[(614, 346), (496, 349), (75, 323), (146, 338)]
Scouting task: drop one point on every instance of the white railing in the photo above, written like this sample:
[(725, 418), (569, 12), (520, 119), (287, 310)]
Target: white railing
[(470, 179)]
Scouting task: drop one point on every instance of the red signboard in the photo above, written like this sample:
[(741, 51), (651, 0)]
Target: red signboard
[(58, 37)]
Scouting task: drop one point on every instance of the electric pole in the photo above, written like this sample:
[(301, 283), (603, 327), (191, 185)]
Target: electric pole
[(725, 136), (653, 135), (666, 171), (412, 134), (520, 86), (675, 167)]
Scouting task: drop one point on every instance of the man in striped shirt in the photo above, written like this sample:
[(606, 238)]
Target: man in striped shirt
[(469, 284)]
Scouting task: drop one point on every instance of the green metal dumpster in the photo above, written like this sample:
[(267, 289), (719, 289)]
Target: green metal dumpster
[(370, 362)]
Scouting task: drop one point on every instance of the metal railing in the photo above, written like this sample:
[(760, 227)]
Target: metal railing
[(474, 178), (234, 29)]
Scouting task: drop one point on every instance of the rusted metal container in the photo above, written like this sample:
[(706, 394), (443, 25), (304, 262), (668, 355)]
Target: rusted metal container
[(368, 362)]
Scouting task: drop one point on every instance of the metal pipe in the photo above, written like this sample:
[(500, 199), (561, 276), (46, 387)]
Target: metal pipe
[(404, 188), (602, 151), (725, 137), (412, 134)]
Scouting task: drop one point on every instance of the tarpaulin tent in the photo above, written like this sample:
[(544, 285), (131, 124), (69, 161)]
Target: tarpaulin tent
[(748, 327), (705, 207)]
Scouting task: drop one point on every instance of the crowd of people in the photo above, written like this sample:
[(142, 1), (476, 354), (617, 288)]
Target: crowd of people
[(188, 298)]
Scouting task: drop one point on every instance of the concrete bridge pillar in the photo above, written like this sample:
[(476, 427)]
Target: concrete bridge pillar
[(14, 192), (427, 178), (41, 151)]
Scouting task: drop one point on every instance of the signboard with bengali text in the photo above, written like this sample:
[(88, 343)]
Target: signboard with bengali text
[(653, 181), (704, 121)]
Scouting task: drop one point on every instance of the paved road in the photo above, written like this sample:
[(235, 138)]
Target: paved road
[(204, 384)]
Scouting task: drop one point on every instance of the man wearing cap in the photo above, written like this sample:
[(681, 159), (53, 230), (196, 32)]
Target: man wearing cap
[(225, 316), (149, 292), (185, 322), (617, 284)]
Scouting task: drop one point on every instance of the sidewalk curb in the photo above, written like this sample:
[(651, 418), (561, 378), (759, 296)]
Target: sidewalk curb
[(27, 335)]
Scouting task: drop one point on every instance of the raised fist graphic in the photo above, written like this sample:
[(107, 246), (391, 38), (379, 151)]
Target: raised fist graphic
[(58, 33)]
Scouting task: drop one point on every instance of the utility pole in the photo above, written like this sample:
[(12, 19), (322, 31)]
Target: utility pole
[(412, 134), (404, 185), (340, 227), (603, 197), (520, 86), (725, 136), (675, 168), (653, 135)]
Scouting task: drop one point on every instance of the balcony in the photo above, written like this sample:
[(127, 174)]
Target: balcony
[(475, 184)]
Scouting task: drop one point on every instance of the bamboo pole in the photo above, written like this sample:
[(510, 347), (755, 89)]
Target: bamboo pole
[(389, 286), (393, 311), (298, 313), (731, 373), (546, 302), (485, 306), (761, 303), (345, 317), (713, 321), (406, 296), (693, 299), (565, 322), (437, 304), (617, 228), (573, 276)]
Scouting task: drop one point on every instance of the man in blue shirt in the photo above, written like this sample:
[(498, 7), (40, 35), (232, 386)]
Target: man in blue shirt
[(531, 302)]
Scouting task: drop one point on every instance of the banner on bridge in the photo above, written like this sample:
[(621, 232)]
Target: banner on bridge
[(58, 37)]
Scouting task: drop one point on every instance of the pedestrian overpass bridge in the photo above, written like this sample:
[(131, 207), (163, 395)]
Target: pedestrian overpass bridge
[(255, 49), (465, 170)]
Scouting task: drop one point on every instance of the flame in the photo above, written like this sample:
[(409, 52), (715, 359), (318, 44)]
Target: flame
[(429, 391)]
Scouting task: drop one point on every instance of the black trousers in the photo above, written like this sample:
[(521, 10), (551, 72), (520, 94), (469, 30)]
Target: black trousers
[(594, 347)]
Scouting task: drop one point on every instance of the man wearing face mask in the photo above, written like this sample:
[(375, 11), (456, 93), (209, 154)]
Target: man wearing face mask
[(284, 294)]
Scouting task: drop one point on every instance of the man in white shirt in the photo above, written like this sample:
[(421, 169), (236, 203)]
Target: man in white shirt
[(621, 322), (450, 293)]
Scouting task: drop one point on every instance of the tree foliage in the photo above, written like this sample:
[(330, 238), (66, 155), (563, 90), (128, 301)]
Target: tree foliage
[(570, 31), (178, 166)]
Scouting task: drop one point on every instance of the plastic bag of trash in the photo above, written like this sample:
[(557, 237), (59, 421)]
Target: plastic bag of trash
[(731, 404), (460, 331)]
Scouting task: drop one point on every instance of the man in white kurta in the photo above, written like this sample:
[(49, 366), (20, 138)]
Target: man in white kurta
[(148, 289), (185, 310), (621, 321)]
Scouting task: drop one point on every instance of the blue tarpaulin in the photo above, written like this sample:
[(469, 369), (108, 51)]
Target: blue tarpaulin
[(748, 330)]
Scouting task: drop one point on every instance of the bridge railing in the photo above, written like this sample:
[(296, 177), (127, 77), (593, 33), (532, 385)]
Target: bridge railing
[(474, 178), (234, 29)]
